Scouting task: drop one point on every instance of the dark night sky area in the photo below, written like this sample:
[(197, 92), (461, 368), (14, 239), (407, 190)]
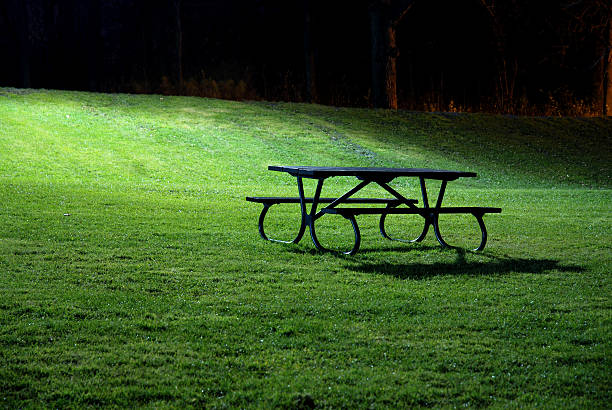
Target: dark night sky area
[(447, 49)]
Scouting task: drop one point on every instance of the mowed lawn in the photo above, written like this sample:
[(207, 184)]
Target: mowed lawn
[(132, 273)]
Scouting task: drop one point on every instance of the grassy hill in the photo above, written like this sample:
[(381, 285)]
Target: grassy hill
[(132, 273)]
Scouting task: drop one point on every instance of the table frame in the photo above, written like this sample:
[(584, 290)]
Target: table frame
[(382, 177)]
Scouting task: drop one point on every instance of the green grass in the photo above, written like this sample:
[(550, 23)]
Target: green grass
[(132, 273)]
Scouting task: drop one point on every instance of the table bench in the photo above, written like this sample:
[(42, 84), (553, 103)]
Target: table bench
[(380, 176), (268, 201)]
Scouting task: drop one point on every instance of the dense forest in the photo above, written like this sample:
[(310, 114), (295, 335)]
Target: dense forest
[(514, 56)]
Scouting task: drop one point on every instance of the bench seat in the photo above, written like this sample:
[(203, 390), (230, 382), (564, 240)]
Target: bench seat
[(474, 210), (271, 200)]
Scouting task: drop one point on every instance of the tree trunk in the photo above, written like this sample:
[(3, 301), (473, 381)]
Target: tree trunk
[(179, 45), (19, 14), (507, 66), (390, 66), (90, 14), (607, 77), (384, 17), (383, 57), (376, 49), (309, 57)]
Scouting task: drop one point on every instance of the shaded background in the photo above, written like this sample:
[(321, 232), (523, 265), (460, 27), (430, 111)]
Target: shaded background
[(452, 54)]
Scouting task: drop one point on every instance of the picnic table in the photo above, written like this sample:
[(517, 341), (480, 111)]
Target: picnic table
[(396, 204)]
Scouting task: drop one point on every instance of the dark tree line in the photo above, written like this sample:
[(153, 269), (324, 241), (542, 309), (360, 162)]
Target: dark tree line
[(500, 55)]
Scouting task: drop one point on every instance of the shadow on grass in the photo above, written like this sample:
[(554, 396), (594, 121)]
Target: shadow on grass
[(496, 266), (405, 247), (311, 250)]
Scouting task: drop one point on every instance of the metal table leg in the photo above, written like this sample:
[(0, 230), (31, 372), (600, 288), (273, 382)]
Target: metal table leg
[(310, 218)]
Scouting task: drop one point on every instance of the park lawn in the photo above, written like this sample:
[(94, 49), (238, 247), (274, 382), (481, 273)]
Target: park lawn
[(132, 273)]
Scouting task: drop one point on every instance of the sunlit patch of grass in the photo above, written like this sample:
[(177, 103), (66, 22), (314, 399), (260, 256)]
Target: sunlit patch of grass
[(132, 273)]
